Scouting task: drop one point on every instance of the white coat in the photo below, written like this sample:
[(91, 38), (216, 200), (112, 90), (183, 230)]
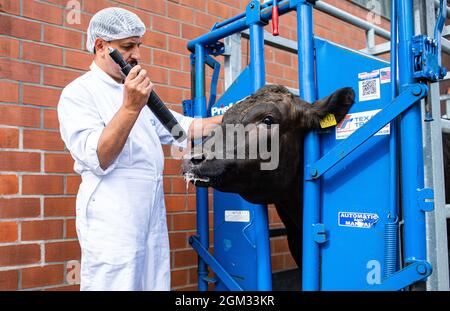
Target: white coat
[(121, 217)]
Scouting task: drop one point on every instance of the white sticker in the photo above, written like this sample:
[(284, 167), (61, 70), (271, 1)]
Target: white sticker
[(354, 121), (217, 111), (369, 85), (237, 216), (357, 220), (385, 75), (369, 75)]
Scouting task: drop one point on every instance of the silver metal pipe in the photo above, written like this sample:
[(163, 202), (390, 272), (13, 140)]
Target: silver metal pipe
[(445, 44), (437, 6), (324, 7), (445, 125), (356, 21), (277, 42), (378, 49), (347, 17)]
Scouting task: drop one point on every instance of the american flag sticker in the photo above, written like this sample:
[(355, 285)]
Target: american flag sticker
[(385, 75)]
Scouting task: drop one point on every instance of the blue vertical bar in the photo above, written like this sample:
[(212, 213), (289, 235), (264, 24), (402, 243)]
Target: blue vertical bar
[(257, 69), (393, 137), (311, 198), (391, 227), (202, 192), (411, 144), (257, 56)]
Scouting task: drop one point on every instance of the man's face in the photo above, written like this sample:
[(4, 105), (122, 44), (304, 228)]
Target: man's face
[(128, 47)]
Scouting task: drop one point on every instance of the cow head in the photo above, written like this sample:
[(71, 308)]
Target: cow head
[(272, 119)]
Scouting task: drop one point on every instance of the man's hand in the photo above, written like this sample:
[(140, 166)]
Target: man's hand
[(137, 89), (203, 127)]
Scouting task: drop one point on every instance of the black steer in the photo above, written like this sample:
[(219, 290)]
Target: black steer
[(270, 106)]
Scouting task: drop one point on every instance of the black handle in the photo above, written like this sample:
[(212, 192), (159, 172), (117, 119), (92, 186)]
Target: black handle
[(165, 116), (155, 103)]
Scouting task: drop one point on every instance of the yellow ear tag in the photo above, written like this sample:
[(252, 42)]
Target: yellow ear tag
[(328, 121)]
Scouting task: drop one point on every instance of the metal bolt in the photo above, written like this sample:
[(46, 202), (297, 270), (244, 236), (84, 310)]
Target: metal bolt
[(421, 269), (417, 90), (314, 172)]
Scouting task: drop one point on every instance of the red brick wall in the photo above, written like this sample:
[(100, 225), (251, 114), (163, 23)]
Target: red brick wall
[(40, 53)]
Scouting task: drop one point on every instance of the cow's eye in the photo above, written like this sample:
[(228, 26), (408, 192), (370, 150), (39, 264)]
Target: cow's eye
[(268, 120)]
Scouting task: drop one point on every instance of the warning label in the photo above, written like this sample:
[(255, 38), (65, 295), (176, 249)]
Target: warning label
[(237, 216)]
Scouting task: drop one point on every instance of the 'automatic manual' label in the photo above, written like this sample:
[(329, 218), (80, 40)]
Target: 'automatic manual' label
[(357, 220)]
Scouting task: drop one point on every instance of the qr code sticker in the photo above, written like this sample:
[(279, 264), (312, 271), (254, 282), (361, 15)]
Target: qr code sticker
[(369, 89)]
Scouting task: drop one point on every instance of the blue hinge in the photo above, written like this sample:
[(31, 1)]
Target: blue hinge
[(319, 233), (425, 199), (215, 48), (188, 108), (253, 13), (426, 52)]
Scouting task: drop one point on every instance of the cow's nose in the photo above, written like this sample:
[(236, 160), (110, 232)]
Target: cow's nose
[(197, 159)]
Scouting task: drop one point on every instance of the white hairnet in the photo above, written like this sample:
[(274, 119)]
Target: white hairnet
[(113, 24)]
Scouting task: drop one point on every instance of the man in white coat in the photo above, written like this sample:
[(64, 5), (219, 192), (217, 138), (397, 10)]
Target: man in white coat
[(115, 141)]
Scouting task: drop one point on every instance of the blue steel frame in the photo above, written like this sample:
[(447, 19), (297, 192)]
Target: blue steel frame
[(413, 196), (411, 144), (257, 70), (391, 228), (311, 190)]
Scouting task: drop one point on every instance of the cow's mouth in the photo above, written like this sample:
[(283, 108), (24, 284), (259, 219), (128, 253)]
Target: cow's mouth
[(202, 172), (193, 174), (196, 179), (192, 171)]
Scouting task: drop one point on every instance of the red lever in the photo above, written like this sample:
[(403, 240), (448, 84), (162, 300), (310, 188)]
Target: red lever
[(275, 18)]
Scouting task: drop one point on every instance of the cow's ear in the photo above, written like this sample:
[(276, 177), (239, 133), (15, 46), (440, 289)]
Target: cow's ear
[(325, 111)]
